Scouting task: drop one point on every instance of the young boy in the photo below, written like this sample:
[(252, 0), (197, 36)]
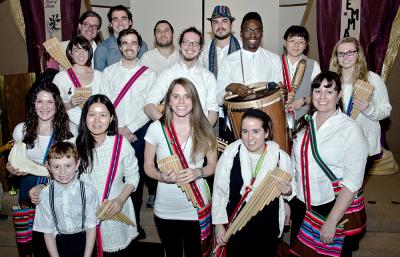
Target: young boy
[(66, 213)]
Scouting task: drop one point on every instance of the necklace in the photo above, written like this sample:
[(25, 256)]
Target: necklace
[(187, 139)]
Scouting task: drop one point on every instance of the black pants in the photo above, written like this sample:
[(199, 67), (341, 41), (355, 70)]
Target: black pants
[(71, 245), (298, 211), (138, 145), (179, 237)]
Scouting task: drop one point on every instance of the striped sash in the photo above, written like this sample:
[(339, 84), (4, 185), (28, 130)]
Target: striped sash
[(128, 85), (74, 79)]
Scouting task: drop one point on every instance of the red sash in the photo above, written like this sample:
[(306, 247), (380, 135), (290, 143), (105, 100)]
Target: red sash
[(74, 79), (112, 171), (285, 74), (128, 85)]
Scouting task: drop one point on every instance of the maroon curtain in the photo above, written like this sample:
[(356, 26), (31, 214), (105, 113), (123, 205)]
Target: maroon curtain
[(35, 31), (375, 25)]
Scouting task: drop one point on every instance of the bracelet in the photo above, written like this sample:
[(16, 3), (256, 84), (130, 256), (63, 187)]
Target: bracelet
[(304, 102), (201, 173)]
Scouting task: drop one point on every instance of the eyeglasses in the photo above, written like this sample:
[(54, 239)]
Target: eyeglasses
[(87, 25), (191, 43), (293, 42), (252, 30), (348, 53)]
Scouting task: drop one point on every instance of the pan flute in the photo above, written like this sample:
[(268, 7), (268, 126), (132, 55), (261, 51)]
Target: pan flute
[(84, 92), (54, 48), (121, 217), (362, 90), (173, 163), (299, 74), (265, 193)]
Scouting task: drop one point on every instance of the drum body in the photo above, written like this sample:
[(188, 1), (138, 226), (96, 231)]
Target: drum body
[(268, 101)]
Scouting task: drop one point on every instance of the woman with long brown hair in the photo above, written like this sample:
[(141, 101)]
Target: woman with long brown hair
[(183, 131)]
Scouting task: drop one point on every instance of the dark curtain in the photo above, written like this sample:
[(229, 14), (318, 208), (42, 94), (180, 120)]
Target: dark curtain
[(35, 31), (375, 26)]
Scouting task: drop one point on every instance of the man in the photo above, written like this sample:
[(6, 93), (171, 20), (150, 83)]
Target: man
[(223, 43), (125, 83), (165, 53), (191, 42), (108, 53), (250, 65)]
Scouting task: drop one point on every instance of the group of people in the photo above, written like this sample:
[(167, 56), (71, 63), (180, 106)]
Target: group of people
[(123, 133)]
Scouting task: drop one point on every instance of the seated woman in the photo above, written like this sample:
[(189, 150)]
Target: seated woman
[(243, 165), (329, 157)]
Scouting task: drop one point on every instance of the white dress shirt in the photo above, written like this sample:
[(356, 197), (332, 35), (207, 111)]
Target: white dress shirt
[(68, 209), (130, 110), (203, 80), (157, 62), (379, 108), (343, 147)]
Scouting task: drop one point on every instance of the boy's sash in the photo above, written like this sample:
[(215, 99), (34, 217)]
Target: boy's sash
[(112, 171), (203, 204), (128, 85)]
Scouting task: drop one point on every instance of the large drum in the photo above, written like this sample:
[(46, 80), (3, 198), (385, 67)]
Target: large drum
[(268, 101)]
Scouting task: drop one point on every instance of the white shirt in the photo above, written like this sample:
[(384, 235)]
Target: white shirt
[(130, 110), (203, 80), (292, 68), (259, 66), (171, 203), (68, 209), (157, 62), (379, 108), (221, 53), (67, 90), (343, 147), (221, 192), (115, 235)]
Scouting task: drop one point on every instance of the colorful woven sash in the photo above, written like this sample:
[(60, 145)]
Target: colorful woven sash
[(128, 85), (112, 171), (74, 78), (204, 204), (286, 74)]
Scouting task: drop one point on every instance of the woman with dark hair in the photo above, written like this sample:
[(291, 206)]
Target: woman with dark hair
[(183, 131), (80, 80), (103, 152), (329, 171), (242, 166), (46, 122)]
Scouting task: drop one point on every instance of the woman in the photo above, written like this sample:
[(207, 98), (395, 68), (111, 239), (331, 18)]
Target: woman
[(183, 119), (46, 122), (338, 152), (244, 164), (295, 44), (349, 62), (96, 142), (81, 77)]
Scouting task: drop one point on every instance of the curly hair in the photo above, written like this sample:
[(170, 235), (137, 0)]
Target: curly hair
[(203, 137), (85, 142), (60, 121), (360, 69)]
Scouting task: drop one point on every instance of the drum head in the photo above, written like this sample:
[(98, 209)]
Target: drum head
[(254, 96)]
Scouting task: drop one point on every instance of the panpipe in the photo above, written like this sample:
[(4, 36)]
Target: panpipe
[(54, 48), (84, 92), (173, 163), (299, 74), (121, 217), (362, 90), (265, 193), (221, 145)]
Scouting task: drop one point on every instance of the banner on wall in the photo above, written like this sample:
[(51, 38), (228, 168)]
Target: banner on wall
[(52, 19), (350, 19)]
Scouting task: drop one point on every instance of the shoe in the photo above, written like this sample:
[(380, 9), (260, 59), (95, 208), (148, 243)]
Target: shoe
[(150, 201), (142, 233)]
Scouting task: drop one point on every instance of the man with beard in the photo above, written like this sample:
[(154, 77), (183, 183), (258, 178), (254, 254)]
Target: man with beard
[(108, 52), (191, 43), (165, 53), (125, 83), (250, 65), (223, 43)]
